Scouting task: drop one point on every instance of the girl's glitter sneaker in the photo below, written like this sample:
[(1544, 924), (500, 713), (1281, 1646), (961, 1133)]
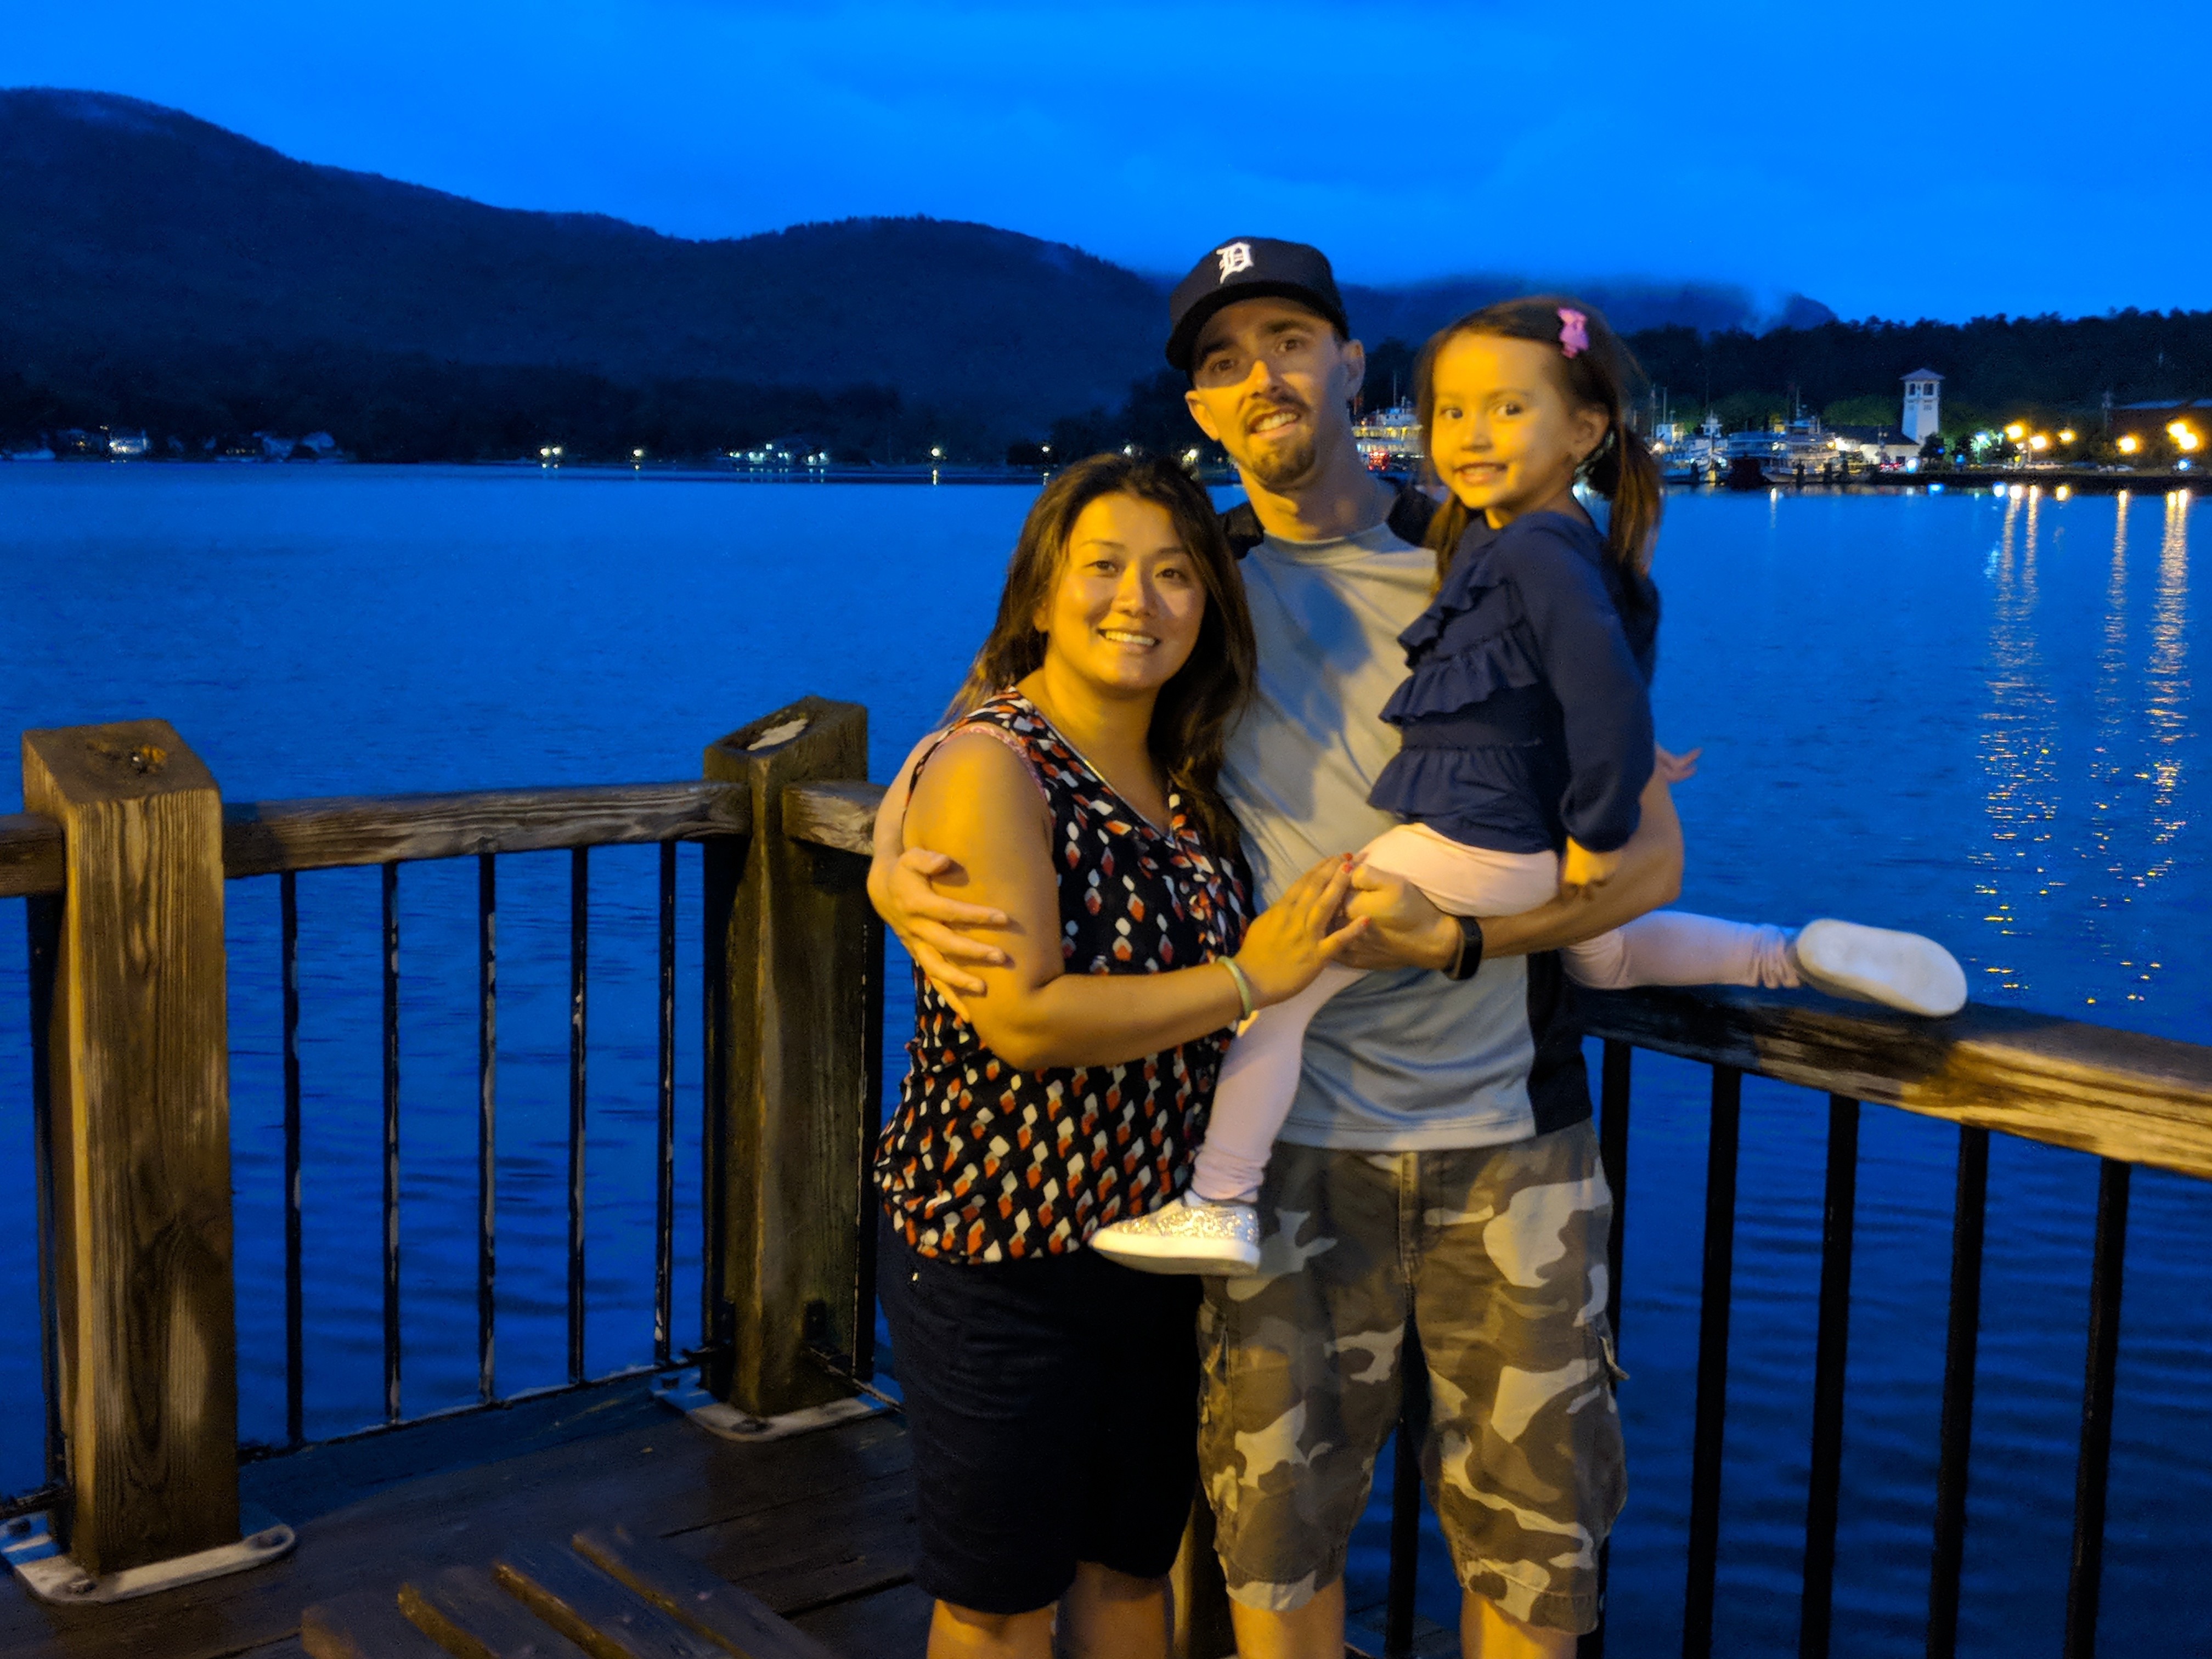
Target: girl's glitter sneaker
[(1188, 1236)]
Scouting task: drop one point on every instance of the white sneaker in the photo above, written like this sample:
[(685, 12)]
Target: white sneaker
[(1188, 1236), (1876, 964)]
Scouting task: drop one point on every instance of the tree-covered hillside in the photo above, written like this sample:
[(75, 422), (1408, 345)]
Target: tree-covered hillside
[(159, 273)]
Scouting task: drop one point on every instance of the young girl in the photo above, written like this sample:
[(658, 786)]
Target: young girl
[(1527, 734)]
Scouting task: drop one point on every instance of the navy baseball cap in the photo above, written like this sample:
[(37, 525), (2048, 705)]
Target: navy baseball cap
[(1249, 268)]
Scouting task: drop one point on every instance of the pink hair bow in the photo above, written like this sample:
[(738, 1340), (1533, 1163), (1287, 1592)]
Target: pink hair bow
[(1574, 330)]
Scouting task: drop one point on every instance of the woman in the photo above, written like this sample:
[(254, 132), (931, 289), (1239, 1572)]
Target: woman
[(1050, 1394)]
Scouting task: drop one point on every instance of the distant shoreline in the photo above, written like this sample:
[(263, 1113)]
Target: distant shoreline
[(2073, 480)]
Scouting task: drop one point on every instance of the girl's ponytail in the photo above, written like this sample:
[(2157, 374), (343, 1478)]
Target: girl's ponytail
[(1625, 473), (1598, 371)]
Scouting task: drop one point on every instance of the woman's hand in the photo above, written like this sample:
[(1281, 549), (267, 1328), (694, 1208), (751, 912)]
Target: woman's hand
[(1581, 871), (1291, 941), (1671, 767)]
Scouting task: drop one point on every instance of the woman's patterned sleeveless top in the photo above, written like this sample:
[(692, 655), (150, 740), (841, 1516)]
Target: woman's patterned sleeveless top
[(981, 1162)]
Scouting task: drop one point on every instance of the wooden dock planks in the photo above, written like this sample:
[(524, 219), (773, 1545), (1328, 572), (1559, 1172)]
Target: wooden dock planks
[(365, 1625), (739, 1622), (610, 1594), (470, 1617), (814, 1525), (607, 1619)]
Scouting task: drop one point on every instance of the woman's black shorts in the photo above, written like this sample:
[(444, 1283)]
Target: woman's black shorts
[(1052, 1405)]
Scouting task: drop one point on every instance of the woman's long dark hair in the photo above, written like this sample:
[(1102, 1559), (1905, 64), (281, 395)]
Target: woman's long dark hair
[(1602, 376), (1191, 720)]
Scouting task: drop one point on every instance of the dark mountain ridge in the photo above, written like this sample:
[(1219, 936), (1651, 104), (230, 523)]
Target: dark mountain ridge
[(130, 230), (159, 268), (157, 271)]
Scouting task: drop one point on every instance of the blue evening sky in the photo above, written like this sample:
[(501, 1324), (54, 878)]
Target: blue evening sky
[(1924, 159)]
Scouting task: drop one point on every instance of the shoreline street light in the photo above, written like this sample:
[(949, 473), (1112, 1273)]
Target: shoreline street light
[(937, 451), (2183, 435), (2038, 443), (2129, 444), (2066, 436), (2015, 432)]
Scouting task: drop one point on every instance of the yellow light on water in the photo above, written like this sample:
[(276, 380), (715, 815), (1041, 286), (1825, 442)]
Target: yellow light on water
[(2063, 491)]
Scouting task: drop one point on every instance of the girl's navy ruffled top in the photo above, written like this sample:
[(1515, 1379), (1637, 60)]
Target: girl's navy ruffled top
[(1527, 717)]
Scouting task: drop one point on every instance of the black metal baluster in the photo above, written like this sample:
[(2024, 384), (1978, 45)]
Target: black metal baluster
[(1612, 1154), (664, 1245), (580, 886), (1406, 1497), (1712, 1362), (42, 924), (392, 1143), (2086, 1569), (487, 1117), (295, 1344), (1830, 1353), (1969, 1205)]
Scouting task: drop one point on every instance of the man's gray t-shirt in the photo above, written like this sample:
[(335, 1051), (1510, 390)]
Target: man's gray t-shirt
[(1405, 1059)]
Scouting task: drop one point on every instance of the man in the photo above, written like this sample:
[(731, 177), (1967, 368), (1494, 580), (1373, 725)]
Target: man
[(1438, 1172)]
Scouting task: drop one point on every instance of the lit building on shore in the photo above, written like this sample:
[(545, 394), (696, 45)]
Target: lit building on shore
[(1924, 404)]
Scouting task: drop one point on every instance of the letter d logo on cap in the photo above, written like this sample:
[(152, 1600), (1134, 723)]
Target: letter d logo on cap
[(1237, 257)]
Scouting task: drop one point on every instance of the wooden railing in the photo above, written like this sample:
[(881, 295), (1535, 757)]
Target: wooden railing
[(2125, 1098), (122, 857)]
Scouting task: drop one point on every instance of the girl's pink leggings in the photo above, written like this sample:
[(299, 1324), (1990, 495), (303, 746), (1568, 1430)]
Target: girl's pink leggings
[(1259, 1074)]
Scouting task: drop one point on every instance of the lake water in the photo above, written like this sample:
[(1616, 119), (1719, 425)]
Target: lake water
[(1974, 715)]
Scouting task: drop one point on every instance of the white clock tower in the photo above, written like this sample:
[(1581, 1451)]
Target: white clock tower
[(1924, 392)]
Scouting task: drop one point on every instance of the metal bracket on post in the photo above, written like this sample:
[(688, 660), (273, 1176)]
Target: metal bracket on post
[(28, 1546), (727, 1422)]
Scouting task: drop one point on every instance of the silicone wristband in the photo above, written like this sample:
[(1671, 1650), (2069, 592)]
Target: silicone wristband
[(1243, 985), (1470, 949)]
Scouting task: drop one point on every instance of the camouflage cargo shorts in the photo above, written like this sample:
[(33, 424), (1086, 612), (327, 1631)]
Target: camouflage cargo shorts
[(1497, 1254)]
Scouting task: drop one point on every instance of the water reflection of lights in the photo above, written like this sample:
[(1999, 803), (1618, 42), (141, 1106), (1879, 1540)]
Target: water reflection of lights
[(2108, 769), (2166, 681), (2019, 735), (2139, 817)]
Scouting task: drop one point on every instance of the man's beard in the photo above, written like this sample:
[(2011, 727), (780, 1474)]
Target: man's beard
[(1283, 466)]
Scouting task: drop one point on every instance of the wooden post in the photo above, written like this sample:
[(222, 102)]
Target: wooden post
[(137, 1119), (792, 949)]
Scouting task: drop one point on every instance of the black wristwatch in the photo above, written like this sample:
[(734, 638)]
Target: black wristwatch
[(1470, 949)]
